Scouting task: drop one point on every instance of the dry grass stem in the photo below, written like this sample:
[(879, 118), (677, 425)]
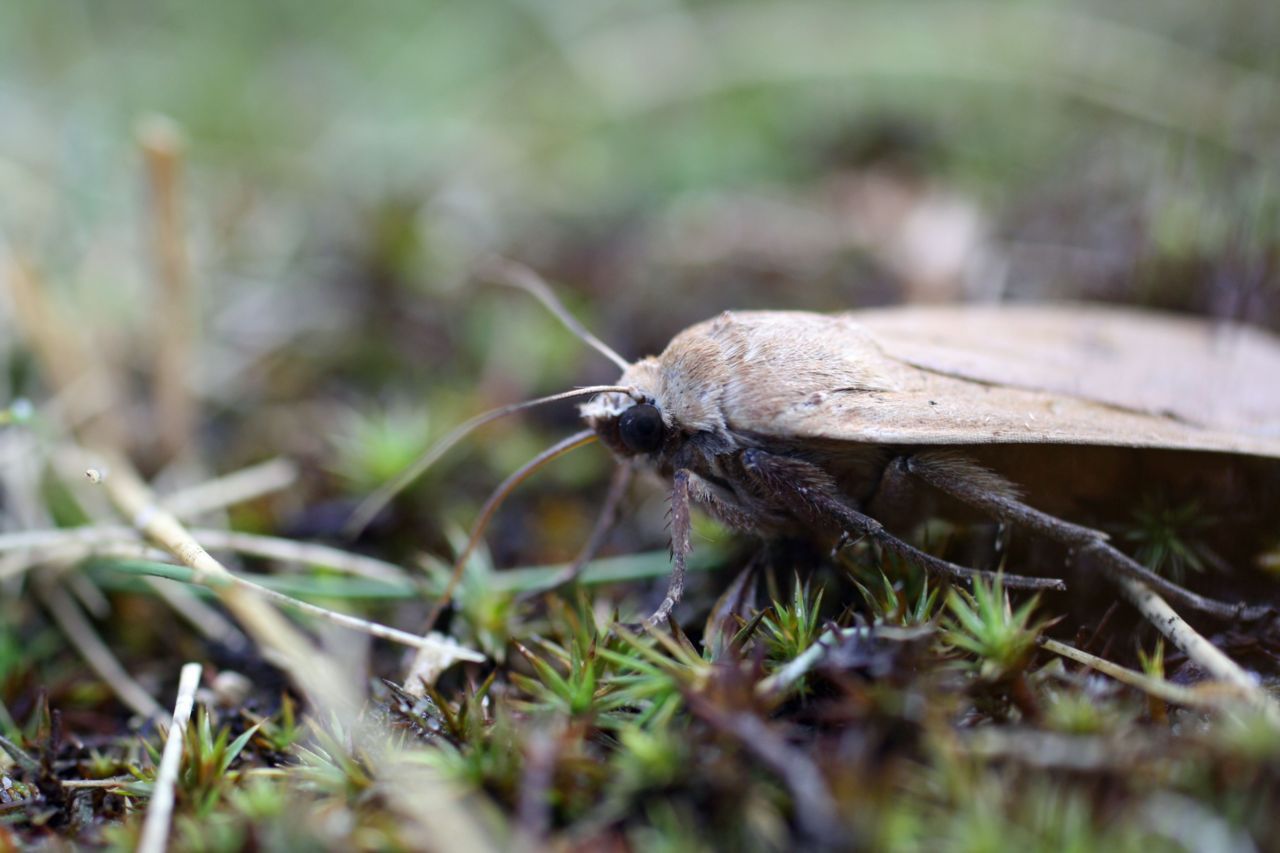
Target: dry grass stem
[(91, 598), (303, 553), (68, 543), (22, 557), (67, 362), (81, 542), (80, 633), (113, 782), (205, 619), (803, 663), (238, 487), (175, 328), (135, 499), (155, 830), (315, 672), (1204, 653), (796, 668), (1204, 698), (1044, 749), (431, 644)]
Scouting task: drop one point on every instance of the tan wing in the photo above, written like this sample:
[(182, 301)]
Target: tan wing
[(1016, 374)]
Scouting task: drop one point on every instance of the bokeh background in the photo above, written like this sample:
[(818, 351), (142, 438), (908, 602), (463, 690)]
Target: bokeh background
[(342, 167)]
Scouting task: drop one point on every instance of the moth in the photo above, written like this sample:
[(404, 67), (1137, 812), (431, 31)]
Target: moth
[(784, 421), (833, 426)]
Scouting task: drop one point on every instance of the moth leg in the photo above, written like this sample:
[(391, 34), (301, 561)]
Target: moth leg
[(984, 490), (741, 518), (892, 495), (690, 487), (810, 492), (680, 547), (605, 521)]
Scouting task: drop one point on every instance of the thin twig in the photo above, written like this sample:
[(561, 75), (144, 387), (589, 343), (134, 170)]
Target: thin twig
[(1204, 653), (66, 542), (112, 782), (155, 830), (306, 553), (95, 652), (205, 619), (238, 487), (796, 668), (317, 673), (1158, 687), (1058, 750)]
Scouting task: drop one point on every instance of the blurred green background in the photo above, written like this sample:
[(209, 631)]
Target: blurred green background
[(343, 168), (346, 164)]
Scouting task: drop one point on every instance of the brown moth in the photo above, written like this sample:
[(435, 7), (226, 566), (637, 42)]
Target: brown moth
[(797, 422), (836, 426)]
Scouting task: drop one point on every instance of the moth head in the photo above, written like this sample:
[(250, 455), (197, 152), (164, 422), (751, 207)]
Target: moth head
[(631, 424)]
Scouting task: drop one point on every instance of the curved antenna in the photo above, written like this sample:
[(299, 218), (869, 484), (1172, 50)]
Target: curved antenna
[(375, 502), (521, 277), (495, 499)]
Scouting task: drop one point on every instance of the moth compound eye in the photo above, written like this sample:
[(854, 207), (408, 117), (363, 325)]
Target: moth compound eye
[(641, 428)]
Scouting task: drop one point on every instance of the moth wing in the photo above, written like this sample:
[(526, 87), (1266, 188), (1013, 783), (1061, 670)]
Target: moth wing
[(1051, 374)]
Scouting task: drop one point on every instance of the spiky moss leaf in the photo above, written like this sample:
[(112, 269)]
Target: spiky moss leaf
[(985, 624)]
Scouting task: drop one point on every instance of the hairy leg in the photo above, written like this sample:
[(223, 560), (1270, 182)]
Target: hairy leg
[(690, 487), (971, 483), (740, 517), (811, 494), (680, 525)]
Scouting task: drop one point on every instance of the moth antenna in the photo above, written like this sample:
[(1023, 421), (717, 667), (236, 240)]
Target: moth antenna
[(375, 502), (512, 274), (491, 504), (608, 517)]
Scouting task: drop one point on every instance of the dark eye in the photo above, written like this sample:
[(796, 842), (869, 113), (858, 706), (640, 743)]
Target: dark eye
[(641, 428)]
